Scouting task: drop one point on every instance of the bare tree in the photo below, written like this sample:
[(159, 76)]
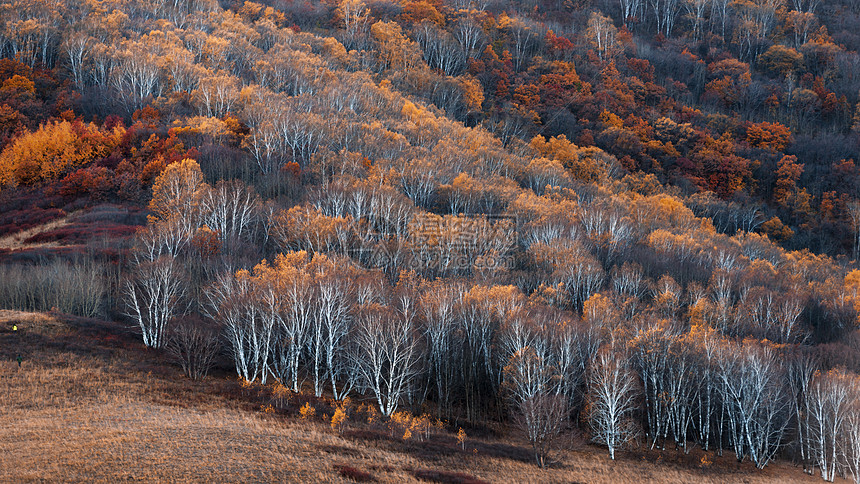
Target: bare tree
[(176, 194), (478, 334), (438, 304), (418, 181), (153, 296), (830, 396), (441, 50), (572, 347), (470, 35), (706, 345), (231, 209), (629, 282), (632, 12), (612, 396), (772, 316), (524, 37), (539, 412), (288, 294), (851, 439), (334, 317), (651, 360), (387, 355), (265, 145), (608, 228), (233, 304), (217, 94), (721, 9), (193, 344), (77, 46), (800, 370), (602, 33), (354, 15), (665, 13), (136, 75), (300, 131), (807, 6), (696, 13), (581, 274), (543, 173), (755, 400)]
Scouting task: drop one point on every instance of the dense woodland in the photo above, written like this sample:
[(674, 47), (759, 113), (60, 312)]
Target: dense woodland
[(636, 219)]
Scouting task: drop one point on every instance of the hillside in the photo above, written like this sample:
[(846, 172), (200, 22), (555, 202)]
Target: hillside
[(91, 404), (605, 239)]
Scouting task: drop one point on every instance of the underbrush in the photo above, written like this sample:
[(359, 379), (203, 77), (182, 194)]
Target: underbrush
[(78, 287)]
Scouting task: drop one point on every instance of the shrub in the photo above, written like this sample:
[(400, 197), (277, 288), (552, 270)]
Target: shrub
[(307, 411), (338, 420), (193, 344)]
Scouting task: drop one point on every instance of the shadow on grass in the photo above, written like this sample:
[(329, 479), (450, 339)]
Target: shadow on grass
[(446, 477), (438, 446)]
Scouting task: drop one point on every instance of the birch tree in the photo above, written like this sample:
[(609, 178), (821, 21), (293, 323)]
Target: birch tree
[(438, 303), (830, 396), (755, 399), (234, 303), (153, 296), (387, 355), (612, 396), (287, 304), (541, 413), (333, 307), (231, 209)]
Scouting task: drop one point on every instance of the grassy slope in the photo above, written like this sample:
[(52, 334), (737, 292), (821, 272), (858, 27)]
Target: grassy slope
[(35, 222), (90, 404)]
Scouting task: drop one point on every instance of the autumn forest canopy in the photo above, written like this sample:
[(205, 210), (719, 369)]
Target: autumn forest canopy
[(635, 220)]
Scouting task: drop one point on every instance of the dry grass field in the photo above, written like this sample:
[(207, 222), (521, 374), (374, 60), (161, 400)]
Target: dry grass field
[(18, 240), (89, 404)]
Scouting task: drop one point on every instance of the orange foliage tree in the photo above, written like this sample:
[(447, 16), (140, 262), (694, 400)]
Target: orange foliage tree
[(54, 150), (768, 136)]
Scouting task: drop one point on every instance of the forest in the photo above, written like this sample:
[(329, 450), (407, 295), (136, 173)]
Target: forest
[(636, 220)]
